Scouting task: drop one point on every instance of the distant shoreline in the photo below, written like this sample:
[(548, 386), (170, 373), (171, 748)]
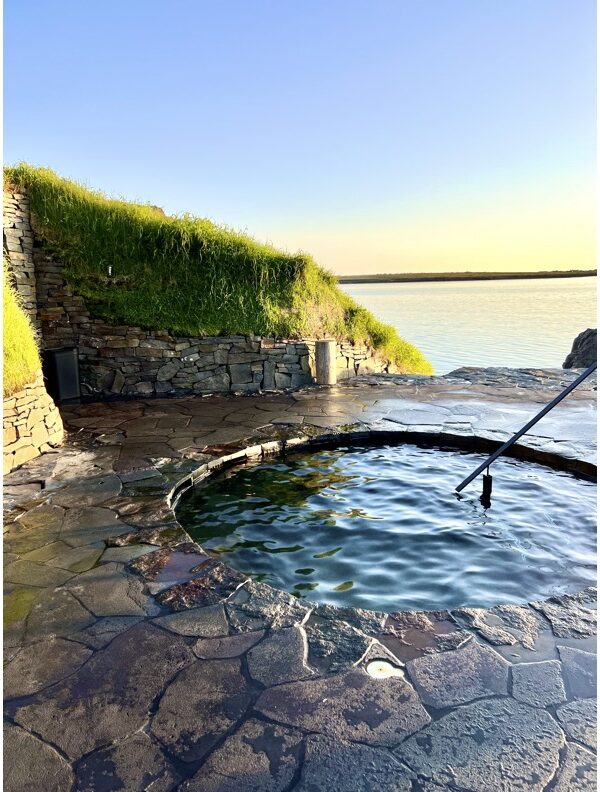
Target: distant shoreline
[(432, 277)]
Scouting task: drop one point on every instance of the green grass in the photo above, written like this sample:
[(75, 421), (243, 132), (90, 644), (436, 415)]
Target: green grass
[(192, 277), (21, 356)]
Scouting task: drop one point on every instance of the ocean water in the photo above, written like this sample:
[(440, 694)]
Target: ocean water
[(516, 323)]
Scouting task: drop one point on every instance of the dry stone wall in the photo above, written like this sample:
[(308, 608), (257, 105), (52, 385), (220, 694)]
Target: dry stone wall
[(31, 423), (131, 361), (18, 250)]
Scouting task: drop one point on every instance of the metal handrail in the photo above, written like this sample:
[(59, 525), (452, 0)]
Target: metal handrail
[(526, 428)]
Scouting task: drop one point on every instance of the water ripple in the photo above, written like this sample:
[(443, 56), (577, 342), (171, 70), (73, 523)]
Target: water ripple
[(383, 528)]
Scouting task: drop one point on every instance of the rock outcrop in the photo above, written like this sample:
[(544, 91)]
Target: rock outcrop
[(584, 350)]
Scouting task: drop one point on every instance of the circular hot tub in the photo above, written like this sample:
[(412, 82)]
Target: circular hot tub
[(382, 528)]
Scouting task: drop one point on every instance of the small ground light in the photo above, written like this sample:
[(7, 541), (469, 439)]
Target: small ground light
[(381, 669), (110, 270)]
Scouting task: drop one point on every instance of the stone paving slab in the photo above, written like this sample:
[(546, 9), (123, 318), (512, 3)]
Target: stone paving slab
[(500, 739), (134, 662)]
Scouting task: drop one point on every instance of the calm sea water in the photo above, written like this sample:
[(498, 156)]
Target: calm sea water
[(517, 323)]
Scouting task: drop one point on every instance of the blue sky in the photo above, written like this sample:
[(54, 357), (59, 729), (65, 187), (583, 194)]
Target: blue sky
[(379, 136)]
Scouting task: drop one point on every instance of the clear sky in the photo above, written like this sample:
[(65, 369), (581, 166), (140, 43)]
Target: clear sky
[(409, 135)]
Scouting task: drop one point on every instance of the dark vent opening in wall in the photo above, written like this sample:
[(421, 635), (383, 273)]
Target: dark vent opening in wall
[(61, 373)]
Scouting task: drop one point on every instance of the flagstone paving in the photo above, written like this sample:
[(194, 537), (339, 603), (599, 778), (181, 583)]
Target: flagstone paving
[(135, 661)]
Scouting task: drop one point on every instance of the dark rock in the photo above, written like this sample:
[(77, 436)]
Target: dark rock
[(368, 622), (42, 664), (584, 350), (335, 764), (259, 757), (231, 646), (457, 677), (89, 491), (578, 773), (579, 671), (350, 706), (281, 657), (108, 590), (109, 697), (46, 516), (104, 630), (30, 765), (27, 573), (495, 743), (411, 634), (208, 622), (161, 536), (173, 564), (57, 614), (568, 616), (135, 765), (538, 684), (335, 646), (216, 583), (504, 625), (257, 606), (579, 720), (92, 524), (203, 702)]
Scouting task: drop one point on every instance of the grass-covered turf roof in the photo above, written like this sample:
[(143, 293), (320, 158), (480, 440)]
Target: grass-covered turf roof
[(21, 359), (192, 277)]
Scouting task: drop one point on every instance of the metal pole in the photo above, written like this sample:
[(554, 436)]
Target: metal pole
[(527, 427)]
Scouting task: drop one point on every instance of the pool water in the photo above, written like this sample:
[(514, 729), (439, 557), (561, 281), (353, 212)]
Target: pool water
[(382, 528)]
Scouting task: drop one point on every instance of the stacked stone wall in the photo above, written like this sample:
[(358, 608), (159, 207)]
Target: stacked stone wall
[(131, 361), (18, 250), (31, 423)]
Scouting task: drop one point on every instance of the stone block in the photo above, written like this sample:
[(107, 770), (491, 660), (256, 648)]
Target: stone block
[(219, 381), (240, 373), (39, 434), (24, 454), (144, 388), (117, 383), (10, 435), (269, 375), (167, 371), (300, 379)]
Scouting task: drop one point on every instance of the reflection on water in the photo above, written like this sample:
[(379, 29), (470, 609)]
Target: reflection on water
[(383, 529), (517, 323)]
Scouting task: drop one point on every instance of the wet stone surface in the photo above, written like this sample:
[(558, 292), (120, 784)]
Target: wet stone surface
[(457, 677), (494, 739), (280, 657), (109, 697), (30, 764), (503, 624), (134, 764), (334, 764), (199, 706), (208, 622), (579, 720), (412, 634), (257, 606), (538, 684), (350, 706), (133, 662), (265, 755), (214, 583)]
